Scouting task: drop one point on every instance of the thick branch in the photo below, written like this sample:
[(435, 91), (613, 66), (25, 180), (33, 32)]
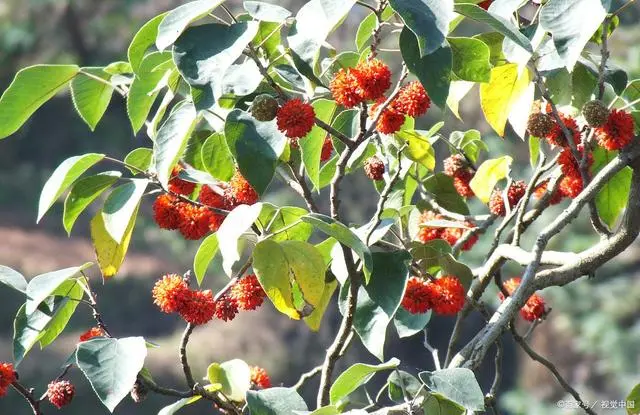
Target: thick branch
[(183, 356)]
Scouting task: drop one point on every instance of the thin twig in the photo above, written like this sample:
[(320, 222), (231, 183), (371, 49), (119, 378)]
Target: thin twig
[(307, 376), (183, 355), (28, 396)]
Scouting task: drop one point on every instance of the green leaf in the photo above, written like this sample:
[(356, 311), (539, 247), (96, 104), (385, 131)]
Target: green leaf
[(203, 63), (176, 21), (470, 59), (233, 376), (40, 287), (314, 319), (325, 410), (110, 253), (400, 381), (13, 279), (256, 147), (120, 207), (343, 234), (583, 85), (428, 20), (266, 12), (498, 97), (111, 366), (142, 41), (28, 329), (275, 401), (419, 148), (503, 26), (235, 224), (436, 404), (280, 218), (613, 74), (207, 250), (140, 158), (314, 22), (442, 189), (634, 396), (216, 157), (118, 68), (90, 96), (458, 385), (612, 198), (284, 267), (488, 175), (176, 406), (365, 30), (83, 192), (31, 87), (408, 324), (571, 24), (534, 150), (241, 80), (172, 140), (311, 145), (144, 88), (450, 266), (433, 71), (470, 142), (62, 314), (379, 300), (355, 376), (63, 176)]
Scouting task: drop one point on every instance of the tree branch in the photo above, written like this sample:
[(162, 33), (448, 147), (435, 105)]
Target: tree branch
[(28, 396), (183, 356)]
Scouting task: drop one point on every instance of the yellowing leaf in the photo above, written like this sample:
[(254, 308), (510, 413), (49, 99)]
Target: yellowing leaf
[(419, 148), (488, 174), (501, 93), (109, 253)]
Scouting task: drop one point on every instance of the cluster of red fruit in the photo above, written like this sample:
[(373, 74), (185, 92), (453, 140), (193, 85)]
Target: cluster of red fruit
[(444, 295), (533, 309), (259, 378), (195, 221), (515, 192), (449, 234), (92, 333), (172, 295), (59, 392), (459, 168)]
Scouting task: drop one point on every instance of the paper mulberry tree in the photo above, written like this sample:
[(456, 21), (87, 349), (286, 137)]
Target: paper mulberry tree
[(233, 105)]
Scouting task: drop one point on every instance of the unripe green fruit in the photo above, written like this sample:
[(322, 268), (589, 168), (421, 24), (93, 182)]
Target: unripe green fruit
[(595, 113), (264, 108)]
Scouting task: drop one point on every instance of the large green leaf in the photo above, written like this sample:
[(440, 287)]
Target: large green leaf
[(256, 146), (90, 96), (40, 287), (216, 157), (287, 270), (458, 385), (275, 401), (355, 376), (266, 12), (31, 87), (13, 279), (401, 382), (236, 223), (634, 396), (285, 222), (379, 300), (233, 376), (612, 198), (436, 404), (488, 175), (428, 19), (110, 253), (120, 207), (346, 236), (408, 324), (419, 148), (207, 250), (433, 70), (144, 88), (140, 159), (503, 26), (62, 177), (442, 189), (311, 145), (177, 20), (314, 22), (83, 192), (111, 366), (203, 63), (470, 59), (499, 97), (172, 140), (72, 291), (142, 41), (28, 329), (571, 24)]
